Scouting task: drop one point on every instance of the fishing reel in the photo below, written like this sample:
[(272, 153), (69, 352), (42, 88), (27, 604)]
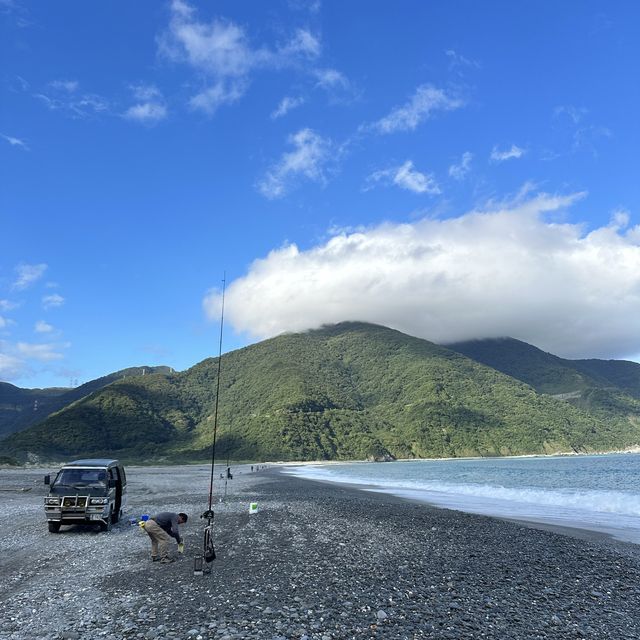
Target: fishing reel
[(208, 515)]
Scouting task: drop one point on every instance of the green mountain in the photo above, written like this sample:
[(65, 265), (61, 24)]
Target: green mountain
[(348, 391), (604, 388), (548, 373), (21, 408)]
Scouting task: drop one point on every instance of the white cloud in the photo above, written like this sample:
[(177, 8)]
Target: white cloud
[(307, 160), (43, 327), (457, 62), (146, 92), (286, 104), (313, 6), (18, 13), (575, 114), (52, 301), (23, 84), (27, 274), (150, 107), (337, 87), (406, 177), (41, 352), (78, 106), (22, 359), (503, 271), (585, 136), (88, 104), (303, 42), (218, 94), (11, 367), (70, 86), (331, 79), (498, 155), (5, 323), (15, 142), (7, 305), (221, 50), (460, 171), (147, 113), (620, 219), (426, 100)]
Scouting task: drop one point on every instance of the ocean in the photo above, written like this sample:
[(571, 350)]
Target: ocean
[(598, 493)]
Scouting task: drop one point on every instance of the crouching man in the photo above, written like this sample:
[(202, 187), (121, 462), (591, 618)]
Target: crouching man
[(161, 528)]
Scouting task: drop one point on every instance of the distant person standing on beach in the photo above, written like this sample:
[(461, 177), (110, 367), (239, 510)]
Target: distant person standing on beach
[(161, 528)]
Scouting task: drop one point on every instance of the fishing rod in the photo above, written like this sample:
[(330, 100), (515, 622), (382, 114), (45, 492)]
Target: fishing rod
[(202, 564)]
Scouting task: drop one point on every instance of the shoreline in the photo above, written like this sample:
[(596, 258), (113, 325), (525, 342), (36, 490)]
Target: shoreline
[(278, 463), (580, 533), (588, 525), (569, 454), (317, 561)]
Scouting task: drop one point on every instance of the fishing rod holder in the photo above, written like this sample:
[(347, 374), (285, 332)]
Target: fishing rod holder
[(202, 563)]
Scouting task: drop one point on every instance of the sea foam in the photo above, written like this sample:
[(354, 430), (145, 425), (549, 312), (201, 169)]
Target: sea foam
[(615, 511)]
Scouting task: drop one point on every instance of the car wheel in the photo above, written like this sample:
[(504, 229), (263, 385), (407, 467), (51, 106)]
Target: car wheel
[(106, 525), (54, 527)]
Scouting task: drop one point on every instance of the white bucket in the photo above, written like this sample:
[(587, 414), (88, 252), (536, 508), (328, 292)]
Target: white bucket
[(253, 507)]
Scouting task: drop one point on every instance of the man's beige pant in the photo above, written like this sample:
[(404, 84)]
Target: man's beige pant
[(159, 539)]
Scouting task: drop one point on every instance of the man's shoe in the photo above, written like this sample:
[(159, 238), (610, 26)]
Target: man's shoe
[(166, 560), (154, 558)]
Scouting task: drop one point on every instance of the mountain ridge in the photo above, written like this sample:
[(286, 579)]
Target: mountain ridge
[(519, 359), (21, 408), (347, 391)]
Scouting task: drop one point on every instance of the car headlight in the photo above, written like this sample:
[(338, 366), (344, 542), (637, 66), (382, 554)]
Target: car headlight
[(99, 500), (52, 501)]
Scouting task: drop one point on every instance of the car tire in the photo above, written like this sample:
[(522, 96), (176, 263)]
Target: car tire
[(106, 525), (54, 527)]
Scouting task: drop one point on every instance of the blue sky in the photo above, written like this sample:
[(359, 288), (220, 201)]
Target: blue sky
[(454, 170)]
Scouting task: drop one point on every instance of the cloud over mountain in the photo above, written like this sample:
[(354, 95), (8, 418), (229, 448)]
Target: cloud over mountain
[(507, 270)]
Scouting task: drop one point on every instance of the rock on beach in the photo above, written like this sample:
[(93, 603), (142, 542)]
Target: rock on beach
[(316, 562)]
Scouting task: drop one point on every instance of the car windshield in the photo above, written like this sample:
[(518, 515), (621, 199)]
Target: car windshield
[(81, 478)]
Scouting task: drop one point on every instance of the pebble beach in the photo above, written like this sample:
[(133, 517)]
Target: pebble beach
[(315, 562)]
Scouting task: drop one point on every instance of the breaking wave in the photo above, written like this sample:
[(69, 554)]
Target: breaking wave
[(579, 504)]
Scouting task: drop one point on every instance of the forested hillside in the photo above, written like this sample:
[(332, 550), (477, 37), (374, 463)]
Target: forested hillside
[(349, 391), (605, 388), (20, 408)]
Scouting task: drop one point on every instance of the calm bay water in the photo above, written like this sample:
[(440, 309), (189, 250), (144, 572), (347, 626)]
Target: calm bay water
[(597, 493)]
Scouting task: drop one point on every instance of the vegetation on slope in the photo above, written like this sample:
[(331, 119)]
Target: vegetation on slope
[(349, 391), (543, 371), (607, 389), (20, 408)]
